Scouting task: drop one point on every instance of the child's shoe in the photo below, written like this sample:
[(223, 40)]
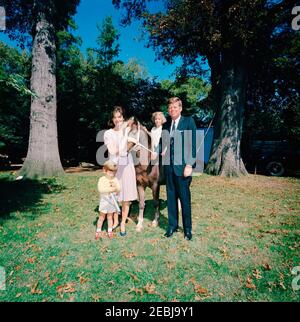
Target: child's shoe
[(98, 234), (109, 233)]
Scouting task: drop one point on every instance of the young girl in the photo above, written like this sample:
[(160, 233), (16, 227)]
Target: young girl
[(158, 119), (108, 186)]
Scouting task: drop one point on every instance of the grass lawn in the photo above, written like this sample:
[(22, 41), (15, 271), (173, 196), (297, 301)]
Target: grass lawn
[(246, 242)]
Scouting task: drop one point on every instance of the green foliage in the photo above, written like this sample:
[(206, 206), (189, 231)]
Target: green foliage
[(254, 34), (21, 16), (107, 41), (14, 101), (272, 111), (191, 91)]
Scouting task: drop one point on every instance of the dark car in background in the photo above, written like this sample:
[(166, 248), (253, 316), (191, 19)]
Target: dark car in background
[(273, 158)]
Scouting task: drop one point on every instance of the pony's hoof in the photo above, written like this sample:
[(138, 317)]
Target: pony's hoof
[(154, 223), (139, 228)]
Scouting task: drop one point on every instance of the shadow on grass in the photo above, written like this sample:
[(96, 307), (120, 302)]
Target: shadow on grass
[(148, 213), (24, 196)]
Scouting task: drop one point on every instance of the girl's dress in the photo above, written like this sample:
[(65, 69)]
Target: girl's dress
[(107, 204)]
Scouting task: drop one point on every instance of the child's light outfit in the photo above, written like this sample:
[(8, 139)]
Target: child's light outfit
[(107, 204), (155, 137)]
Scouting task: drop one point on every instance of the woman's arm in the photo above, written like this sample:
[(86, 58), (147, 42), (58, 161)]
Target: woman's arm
[(111, 145)]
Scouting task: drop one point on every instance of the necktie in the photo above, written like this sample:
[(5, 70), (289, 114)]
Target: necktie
[(173, 127), (172, 143)]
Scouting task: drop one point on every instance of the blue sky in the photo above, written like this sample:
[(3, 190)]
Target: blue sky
[(92, 12)]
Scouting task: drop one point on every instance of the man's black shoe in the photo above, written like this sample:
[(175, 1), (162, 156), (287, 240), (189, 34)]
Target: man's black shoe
[(170, 232), (188, 236)]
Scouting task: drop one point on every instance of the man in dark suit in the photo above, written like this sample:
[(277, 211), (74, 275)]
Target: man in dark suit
[(178, 166)]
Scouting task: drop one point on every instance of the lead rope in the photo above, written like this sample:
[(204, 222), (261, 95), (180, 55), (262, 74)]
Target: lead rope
[(209, 126)]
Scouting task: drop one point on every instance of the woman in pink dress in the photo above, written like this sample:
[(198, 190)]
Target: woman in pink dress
[(116, 142)]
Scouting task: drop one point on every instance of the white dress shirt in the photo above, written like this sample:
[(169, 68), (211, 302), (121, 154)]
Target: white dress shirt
[(176, 122)]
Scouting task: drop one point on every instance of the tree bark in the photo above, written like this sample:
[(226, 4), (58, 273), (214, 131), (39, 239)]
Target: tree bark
[(43, 158), (225, 159)]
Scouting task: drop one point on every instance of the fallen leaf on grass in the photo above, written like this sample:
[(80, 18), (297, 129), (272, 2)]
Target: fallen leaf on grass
[(136, 291), (41, 235), (129, 255), (191, 280), (170, 265), (18, 295), (201, 298), (31, 260), (154, 241), (66, 288), (224, 252), (82, 280), (200, 290), (34, 289), (256, 273), (51, 282), (266, 266), (135, 278), (249, 284), (96, 298), (150, 288), (281, 284)]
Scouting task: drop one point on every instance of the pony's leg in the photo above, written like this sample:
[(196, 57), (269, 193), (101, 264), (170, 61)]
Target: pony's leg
[(155, 194), (141, 192)]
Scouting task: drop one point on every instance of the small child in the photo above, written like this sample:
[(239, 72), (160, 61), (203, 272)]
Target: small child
[(158, 119), (108, 186)]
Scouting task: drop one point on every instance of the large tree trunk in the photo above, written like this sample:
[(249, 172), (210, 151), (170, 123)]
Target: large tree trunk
[(225, 159), (43, 158)]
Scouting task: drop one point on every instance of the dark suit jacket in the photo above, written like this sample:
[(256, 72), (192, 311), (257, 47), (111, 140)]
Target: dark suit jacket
[(186, 155)]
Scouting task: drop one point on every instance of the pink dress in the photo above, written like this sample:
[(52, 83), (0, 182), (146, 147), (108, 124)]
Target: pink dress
[(126, 172)]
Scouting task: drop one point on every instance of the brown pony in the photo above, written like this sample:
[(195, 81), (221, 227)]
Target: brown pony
[(147, 175)]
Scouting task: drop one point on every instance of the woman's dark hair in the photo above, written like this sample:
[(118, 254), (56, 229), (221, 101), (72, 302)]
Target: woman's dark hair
[(135, 120), (116, 109)]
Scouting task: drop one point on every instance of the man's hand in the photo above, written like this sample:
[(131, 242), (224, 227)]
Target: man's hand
[(164, 152), (132, 140), (153, 155), (187, 171)]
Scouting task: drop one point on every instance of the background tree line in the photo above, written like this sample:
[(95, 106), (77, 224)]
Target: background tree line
[(88, 86), (253, 87)]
